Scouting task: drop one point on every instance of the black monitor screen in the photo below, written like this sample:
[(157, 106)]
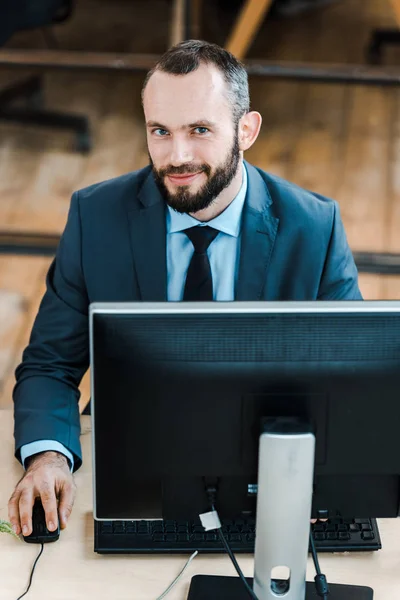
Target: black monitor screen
[(180, 391)]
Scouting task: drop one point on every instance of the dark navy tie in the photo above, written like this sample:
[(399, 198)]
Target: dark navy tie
[(199, 285)]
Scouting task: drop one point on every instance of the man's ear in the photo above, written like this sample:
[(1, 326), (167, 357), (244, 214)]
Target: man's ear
[(249, 128)]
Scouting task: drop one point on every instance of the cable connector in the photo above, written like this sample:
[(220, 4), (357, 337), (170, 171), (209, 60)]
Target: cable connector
[(322, 586), (210, 520)]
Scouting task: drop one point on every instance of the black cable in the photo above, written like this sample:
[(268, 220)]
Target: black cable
[(212, 492), (235, 564), (33, 569), (321, 583)]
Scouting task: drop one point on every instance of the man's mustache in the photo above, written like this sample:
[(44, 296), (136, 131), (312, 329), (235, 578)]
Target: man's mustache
[(184, 170)]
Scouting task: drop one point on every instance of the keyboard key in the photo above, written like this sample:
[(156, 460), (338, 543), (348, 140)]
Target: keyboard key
[(247, 529), (319, 536), (367, 535), (344, 535), (170, 523), (331, 536), (184, 524), (158, 537), (119, 527), (169, 529), (366, 527), (323, 514), (183, 537), (171, 537), (362, 521), (198, 529)]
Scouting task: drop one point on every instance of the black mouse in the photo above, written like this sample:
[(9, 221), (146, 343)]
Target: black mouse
[(40, 534)]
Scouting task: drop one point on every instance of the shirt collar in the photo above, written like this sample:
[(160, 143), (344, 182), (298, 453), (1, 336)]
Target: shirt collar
[(228, 221)]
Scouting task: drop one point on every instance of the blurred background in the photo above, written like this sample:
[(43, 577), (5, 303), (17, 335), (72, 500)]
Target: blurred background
[(88, 58)]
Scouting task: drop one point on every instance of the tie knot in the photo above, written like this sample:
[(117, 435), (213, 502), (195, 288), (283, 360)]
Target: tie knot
[(201, 237)]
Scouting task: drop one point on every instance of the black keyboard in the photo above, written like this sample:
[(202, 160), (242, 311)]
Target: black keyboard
[(154, 537)]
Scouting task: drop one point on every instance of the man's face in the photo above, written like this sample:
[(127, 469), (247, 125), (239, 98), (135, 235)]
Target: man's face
[(191, 136)]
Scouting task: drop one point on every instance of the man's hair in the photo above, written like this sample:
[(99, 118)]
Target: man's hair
[(187, 56)]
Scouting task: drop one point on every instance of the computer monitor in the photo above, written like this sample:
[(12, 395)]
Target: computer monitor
[(181, 391)]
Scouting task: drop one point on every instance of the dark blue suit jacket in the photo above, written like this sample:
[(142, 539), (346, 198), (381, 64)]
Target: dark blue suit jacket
[(293, 247)]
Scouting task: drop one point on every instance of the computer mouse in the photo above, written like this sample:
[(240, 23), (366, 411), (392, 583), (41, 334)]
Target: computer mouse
[(40, 534)]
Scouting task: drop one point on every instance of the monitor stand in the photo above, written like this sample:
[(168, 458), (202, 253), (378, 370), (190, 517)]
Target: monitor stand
[(213, 587), (285, 480)]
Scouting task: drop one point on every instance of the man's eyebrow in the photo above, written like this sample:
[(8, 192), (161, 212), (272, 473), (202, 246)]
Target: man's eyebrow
[(202, 123), (155, 124), (199, 123)]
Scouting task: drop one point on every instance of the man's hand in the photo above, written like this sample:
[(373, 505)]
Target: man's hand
[(48, 477)]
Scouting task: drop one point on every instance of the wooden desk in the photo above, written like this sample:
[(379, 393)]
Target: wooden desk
[(70, 570)]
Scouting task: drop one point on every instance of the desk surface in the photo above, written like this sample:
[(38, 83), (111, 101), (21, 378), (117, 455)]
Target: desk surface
[(69, 569)]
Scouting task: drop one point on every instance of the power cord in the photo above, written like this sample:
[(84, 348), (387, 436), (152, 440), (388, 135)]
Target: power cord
[(235, 564), (33, 570), (178, 577), (212, 493), (321, 583)]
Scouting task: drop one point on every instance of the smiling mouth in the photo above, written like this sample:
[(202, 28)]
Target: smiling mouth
[(184, 179)]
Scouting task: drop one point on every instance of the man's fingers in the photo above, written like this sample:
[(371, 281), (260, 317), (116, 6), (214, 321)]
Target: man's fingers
[(320, 520), (26, 501), (13, 511), (49, 502), (66, 502)]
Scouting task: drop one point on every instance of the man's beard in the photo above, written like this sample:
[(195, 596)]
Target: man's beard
[(183, 200)]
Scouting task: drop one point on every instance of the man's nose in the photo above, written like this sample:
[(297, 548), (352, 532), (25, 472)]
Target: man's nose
[(180, 153)]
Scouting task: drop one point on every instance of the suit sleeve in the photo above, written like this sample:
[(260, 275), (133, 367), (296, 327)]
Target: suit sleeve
[(339, 279), (28, 450), (46, 392)]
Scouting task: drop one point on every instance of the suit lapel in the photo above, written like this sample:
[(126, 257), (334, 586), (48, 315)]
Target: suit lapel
[(259, 229), (148, 239)]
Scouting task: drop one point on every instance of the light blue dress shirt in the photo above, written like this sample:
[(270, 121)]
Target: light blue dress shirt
[(223, 254)]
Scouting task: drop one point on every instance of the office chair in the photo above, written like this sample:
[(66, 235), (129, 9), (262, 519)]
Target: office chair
[(19, 15)]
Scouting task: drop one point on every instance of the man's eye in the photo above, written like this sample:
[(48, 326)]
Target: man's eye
[(201, 130), (160, 132)]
